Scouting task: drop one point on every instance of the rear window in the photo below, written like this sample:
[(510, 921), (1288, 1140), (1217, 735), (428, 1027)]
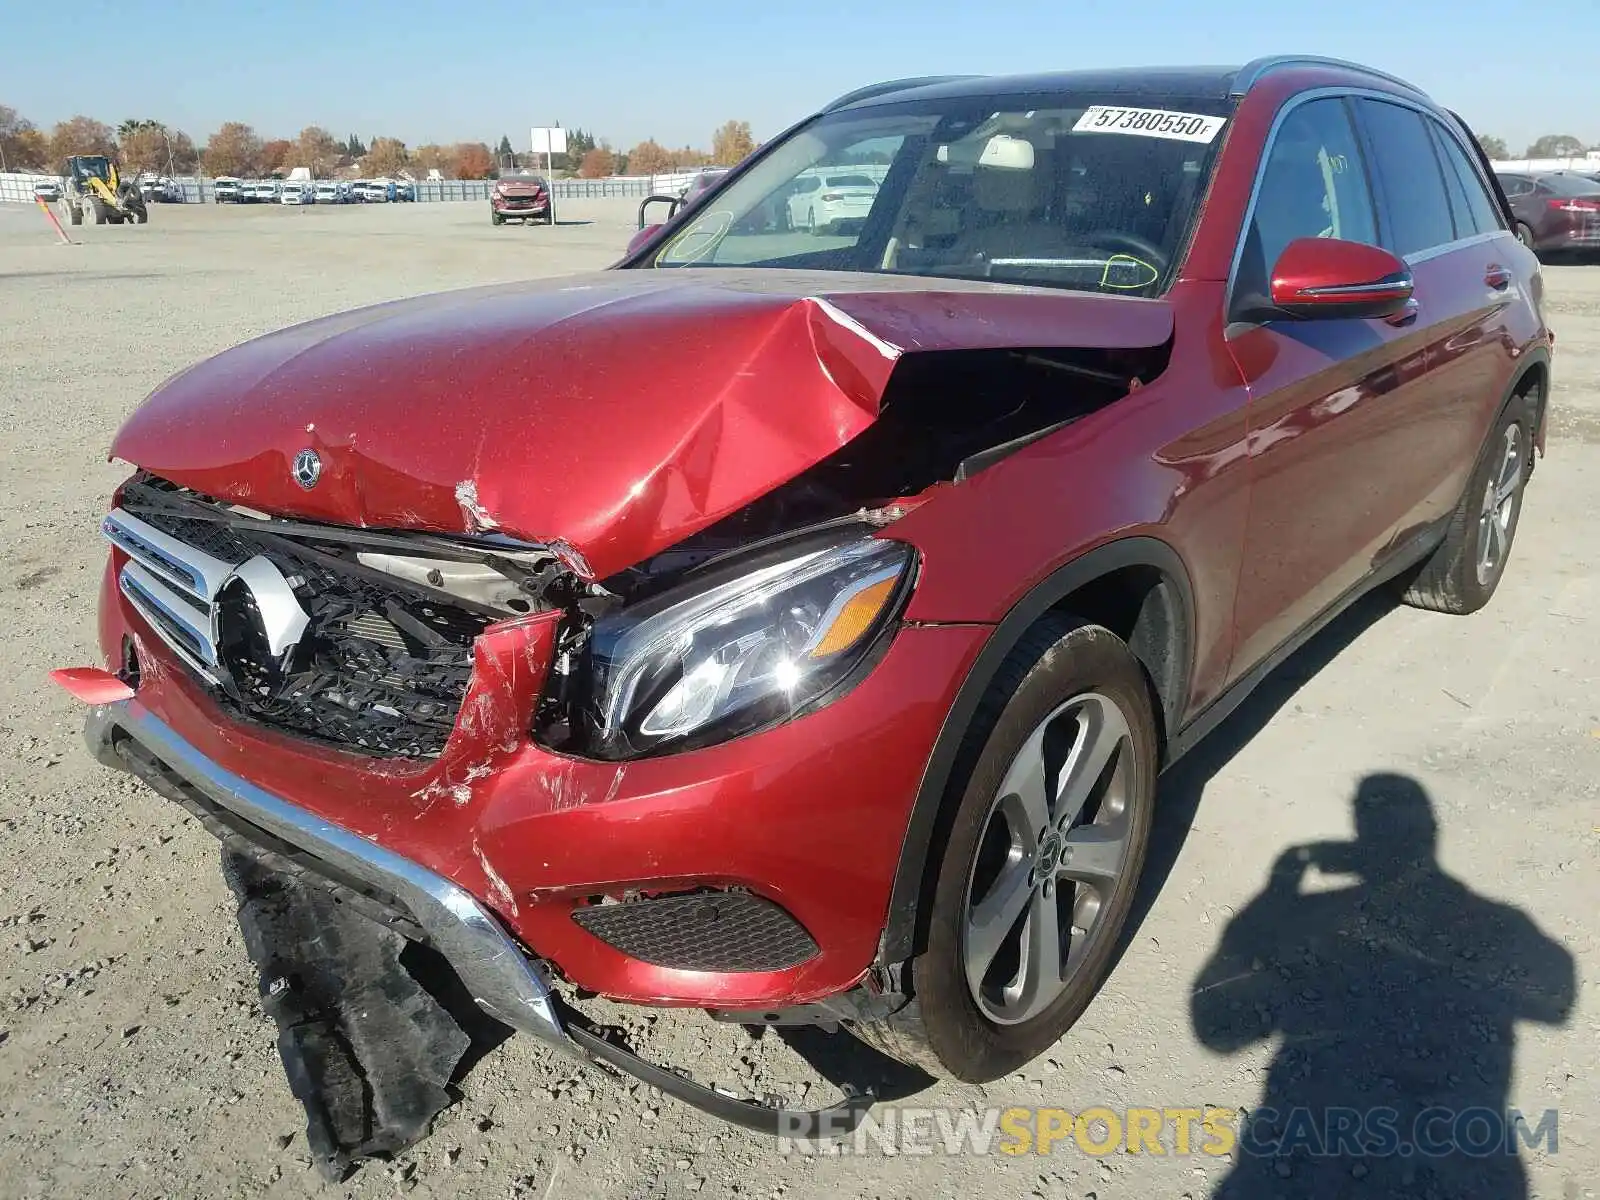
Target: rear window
[(1569, 185), (850, 181)]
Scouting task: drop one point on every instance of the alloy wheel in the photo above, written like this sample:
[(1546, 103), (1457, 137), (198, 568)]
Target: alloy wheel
[(1054, 845), (1499, 512)]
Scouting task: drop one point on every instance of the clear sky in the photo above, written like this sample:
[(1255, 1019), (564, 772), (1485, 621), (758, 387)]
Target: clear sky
[(630, 69)]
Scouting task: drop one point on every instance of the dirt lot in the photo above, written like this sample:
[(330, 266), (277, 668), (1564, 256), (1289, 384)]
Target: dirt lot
[(135, 1061)]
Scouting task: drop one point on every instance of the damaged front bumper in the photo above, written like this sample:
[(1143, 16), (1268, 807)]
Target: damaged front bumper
[(419, 904)]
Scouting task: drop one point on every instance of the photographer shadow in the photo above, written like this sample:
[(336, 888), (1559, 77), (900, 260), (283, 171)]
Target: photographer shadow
[(1394, 991)]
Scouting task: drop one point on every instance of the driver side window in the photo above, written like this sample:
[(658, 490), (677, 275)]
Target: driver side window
[(1314, 184)]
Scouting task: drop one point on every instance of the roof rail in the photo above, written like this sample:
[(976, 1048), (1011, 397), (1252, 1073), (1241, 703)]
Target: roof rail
[(1252, 73), (894, 85)]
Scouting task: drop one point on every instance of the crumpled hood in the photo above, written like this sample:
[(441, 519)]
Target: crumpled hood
[(614, 414)]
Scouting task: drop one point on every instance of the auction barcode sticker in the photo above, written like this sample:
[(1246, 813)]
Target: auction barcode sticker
[(1149, 122)]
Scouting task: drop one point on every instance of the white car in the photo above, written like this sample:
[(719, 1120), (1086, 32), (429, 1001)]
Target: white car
[(331, 191), (819, 203), (298, 191), (227, 190), (263, 191), (47, 189), (375, 191)]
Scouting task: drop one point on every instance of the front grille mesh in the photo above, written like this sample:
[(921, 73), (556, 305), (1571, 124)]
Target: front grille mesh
[(382, 667)]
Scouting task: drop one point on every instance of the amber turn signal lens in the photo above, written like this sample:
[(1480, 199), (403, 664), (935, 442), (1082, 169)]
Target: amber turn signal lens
[(856, 616)]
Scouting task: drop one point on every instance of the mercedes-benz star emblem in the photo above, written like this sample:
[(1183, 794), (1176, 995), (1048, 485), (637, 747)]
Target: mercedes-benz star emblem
[(307, 468)]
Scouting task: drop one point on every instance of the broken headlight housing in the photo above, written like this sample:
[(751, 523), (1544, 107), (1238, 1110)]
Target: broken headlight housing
[(742, 648)]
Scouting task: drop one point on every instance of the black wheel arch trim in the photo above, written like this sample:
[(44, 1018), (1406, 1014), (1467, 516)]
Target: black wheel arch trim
[(900, 933)]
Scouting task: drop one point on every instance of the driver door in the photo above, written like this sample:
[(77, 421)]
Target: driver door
[(1325, 395)]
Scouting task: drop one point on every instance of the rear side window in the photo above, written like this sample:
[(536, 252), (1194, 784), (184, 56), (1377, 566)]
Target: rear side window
[(1516, 185), (1474, 210), (1314, 183), (1413, 198)]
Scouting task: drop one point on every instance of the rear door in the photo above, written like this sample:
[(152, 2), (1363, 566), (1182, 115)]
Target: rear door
[(1328, 476), (1469, 281)]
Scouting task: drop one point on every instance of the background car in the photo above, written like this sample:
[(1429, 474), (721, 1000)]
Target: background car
[(297, 191), (330, 191), (375, 191), (264, 191), (47, 189), (1554, 212), (702, 183), (404, 189), (520, 196), (824, 203), (227, 190)]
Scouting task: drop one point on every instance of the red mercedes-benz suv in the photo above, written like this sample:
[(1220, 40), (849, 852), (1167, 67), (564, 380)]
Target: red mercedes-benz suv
[(793, 625)]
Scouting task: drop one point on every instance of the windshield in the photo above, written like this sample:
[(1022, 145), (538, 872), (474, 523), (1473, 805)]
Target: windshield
[(1065, 190)]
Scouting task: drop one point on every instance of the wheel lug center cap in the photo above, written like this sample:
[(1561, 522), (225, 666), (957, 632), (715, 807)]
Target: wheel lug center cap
[(1050, 849)]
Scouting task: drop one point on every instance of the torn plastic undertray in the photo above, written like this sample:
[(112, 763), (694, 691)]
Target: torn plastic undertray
[(375, 1031)]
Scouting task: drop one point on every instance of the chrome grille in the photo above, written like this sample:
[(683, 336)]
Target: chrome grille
[(295, 634)]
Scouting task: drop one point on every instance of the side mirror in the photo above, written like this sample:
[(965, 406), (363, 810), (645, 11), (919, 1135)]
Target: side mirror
[(1329, 277), (643, 238)]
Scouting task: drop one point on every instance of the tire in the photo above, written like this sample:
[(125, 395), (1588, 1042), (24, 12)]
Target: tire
[(811, 222), (495, 218), (1525, 235), (96, 214), (141, 215), (1069, 686), (1462, 574), (74, 213)]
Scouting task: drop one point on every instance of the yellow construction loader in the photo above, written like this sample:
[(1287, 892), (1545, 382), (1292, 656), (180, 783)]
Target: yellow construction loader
[(95, 195)]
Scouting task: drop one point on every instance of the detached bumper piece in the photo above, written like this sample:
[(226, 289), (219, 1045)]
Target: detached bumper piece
[(369, 1053), (368, 961)]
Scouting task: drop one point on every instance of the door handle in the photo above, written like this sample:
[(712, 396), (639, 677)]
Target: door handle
[(1406, 315), (1497, 277)]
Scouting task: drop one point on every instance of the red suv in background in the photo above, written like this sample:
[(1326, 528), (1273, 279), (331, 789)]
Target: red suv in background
[(795, 626)]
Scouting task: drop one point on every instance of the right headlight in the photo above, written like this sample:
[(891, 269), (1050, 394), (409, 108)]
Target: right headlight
[(706, 662)]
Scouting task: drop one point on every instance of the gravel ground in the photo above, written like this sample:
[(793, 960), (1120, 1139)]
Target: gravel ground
[(135, 1061)]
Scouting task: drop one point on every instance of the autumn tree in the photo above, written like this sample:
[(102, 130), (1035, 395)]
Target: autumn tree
[(598, 163), (732, 143), (688, 158), (1555, 145), (649, 158), (387, 156), (233, 150), (473, 161), (81, 135), (317, 150), (21, 145), (143, 146), (275, 156), (431, 158)]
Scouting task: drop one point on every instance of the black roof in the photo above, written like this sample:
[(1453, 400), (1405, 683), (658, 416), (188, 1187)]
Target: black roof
[(1206, 82)]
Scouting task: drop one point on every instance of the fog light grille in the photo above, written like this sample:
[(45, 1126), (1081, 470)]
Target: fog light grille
[(705, 931)]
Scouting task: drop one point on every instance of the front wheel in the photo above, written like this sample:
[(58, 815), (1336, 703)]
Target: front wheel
[(1037, 876), (1525, 235), (1462, 574), (73, 212), (495, 218)]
